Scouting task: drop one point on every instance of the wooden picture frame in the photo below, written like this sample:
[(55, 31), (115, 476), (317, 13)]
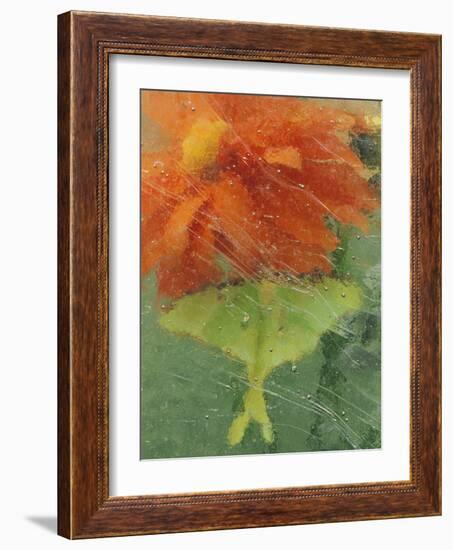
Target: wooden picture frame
[(85, 42)]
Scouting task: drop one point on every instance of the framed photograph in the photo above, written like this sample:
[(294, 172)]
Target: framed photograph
[(249, 275)]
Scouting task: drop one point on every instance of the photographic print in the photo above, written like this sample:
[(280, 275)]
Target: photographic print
[(260, 274)]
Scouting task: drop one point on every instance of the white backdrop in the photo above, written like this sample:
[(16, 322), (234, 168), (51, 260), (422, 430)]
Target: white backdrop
[(129, 476), (28, 275)]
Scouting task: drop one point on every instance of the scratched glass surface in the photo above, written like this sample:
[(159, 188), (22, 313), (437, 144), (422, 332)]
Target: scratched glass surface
[(260, 274)]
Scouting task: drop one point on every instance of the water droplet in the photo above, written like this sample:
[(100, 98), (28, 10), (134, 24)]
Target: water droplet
[(343, 295), (325, 288), (278, 170), (271, 350), (163, 306), (308, 396), (358, 237), (269, 308), (343, 413), (353, 257), (301, 185), (227, 351), (246, 318), (293, 368), (255, 379), (207, 416), (220, 328), (193, 109), (346, 419), (162, 171), (258, 131)]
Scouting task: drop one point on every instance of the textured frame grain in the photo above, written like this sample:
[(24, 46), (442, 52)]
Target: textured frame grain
[(86, 40)]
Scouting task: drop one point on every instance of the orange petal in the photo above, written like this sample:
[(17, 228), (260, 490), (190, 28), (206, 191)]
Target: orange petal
[(176, 112), (152, 229), (233, 210), (195, 268), (266, 121), (326, 147), (287, 156), (296, 258), (176, 235), (313, 117), (292, 210), (336, 184)]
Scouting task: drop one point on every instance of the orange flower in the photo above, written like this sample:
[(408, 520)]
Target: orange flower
[(239, 186)]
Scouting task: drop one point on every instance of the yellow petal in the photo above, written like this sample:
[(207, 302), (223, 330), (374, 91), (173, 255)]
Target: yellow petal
[(201, 145)]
